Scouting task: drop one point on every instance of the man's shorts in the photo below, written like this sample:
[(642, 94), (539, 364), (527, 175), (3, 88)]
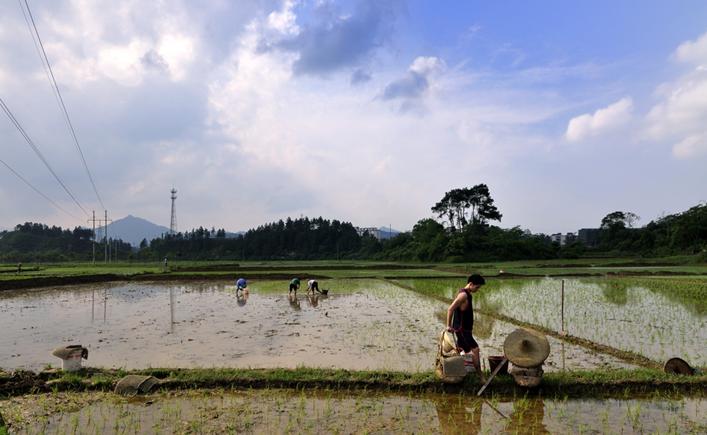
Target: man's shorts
[(466, 341), (293, 287)]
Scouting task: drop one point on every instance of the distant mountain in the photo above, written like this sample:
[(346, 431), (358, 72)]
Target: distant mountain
[(133, 229), (387, 233)]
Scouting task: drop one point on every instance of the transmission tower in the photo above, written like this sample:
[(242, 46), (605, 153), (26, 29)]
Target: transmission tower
[(173, 221)]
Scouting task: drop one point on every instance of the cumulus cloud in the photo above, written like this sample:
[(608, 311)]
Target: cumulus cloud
[(227, 104), (691, 146), (680, 113), (284, 21), (693, 51), (417, 80), (345, 152), (336, 40), (603, 120)]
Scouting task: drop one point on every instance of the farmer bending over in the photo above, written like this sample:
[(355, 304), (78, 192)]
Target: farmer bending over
[(460, 319), (241, 284), (313, 285), (294, 285)]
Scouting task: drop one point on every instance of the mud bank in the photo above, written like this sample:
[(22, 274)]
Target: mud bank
[(577, 384)]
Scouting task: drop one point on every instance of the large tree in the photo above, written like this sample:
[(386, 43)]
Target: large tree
[(468, 204), (619, 220)]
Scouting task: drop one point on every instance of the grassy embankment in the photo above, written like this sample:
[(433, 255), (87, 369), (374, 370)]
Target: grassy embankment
[(37, 275), (598, 383)]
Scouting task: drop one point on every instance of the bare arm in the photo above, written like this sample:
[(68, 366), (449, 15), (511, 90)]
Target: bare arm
[(461, 297)]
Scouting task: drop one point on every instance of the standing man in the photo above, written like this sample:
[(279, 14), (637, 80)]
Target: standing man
[(294, 285), (460, 319)]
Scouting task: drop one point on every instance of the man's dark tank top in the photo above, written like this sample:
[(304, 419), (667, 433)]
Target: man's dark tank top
[(464, 319)]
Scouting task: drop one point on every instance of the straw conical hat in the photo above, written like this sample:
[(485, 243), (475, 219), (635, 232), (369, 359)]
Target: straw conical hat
[(65, 352), (526, 348)]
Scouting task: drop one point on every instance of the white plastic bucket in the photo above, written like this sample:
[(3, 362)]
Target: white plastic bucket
[(73, 362)]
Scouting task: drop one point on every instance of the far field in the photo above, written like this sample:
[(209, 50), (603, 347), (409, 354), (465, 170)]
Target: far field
[(46, 273)]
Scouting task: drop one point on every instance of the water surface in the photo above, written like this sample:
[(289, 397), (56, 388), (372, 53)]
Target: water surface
[(362, 324)]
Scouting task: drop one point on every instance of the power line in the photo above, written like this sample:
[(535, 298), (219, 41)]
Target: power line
[(37, 190), (17, 125), (44, 59)]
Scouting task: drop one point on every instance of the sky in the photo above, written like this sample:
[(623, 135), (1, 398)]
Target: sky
[(363, 111)]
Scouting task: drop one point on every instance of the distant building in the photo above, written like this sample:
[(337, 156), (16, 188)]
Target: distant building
[(373, 231), (563, 239), (588, 236), (570, 238)]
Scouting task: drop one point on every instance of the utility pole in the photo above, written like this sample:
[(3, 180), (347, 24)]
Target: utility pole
[(105, 235), (93, 220)]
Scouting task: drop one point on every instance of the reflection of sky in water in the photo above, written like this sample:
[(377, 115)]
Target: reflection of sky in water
[(278, 411), (372, 325), (363, 324), (632, 318)]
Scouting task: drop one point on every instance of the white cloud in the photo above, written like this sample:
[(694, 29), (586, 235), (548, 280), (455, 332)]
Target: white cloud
[(178, 51), (680, 114), (284, 21), (280, 130), (88, 41), (414, 85), (603, 120), (691, 146), (693, 51), (347, 154), (427, 65)]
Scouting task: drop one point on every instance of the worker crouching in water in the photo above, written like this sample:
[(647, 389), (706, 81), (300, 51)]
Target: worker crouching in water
[(460, 320)]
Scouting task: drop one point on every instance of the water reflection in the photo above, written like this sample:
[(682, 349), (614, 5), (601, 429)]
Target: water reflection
[(93, 305), (294, 301), (171, 310), (285, 411), (313, 300), (242, 297), (457, 416), (469, 415), (528, 416)]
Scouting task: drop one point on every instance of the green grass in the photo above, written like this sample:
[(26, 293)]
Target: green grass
[(597, 383), (42, 274)]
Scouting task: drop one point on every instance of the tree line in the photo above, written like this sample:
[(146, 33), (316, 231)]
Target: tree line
[(38, 242), (463, 231), (298, 239)]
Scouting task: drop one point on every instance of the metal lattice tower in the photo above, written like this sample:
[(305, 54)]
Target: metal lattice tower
[(173, 221)]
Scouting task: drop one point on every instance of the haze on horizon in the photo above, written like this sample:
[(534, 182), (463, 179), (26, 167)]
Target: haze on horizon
[(363, 111)]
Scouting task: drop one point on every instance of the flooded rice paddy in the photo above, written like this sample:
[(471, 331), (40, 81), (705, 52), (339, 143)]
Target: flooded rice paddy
[(286, 411), (657, 318), (362, 324)]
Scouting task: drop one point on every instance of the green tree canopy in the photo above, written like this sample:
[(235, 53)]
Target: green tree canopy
[(467, 205)]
